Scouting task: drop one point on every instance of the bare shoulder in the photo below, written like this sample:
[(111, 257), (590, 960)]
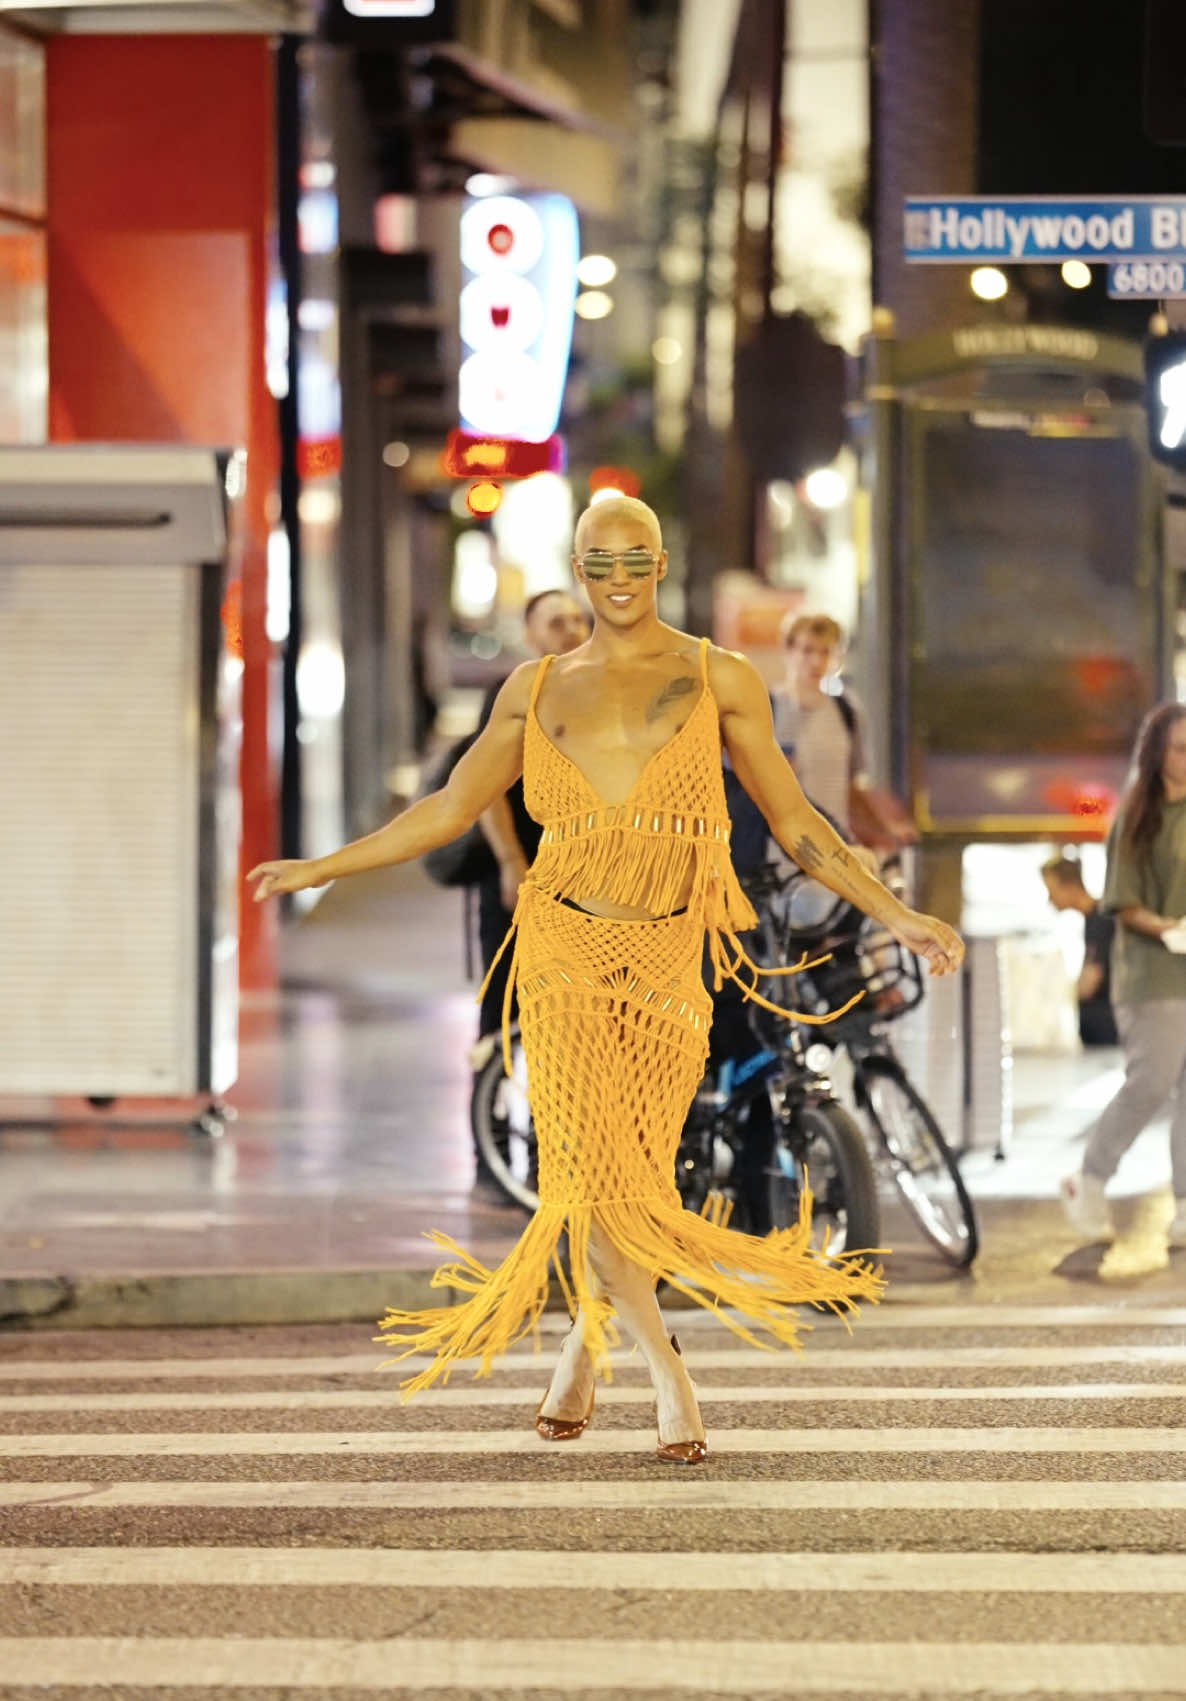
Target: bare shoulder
[(515, 693), (735, 681)]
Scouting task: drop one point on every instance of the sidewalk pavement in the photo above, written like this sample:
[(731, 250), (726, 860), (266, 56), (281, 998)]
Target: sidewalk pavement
[(352, 1141)]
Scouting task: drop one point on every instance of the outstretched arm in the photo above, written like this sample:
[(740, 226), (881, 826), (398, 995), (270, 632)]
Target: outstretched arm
[(801, 830), (492, 763)]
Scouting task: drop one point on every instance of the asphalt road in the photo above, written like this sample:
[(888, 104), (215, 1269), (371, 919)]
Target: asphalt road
[(976, 1498)]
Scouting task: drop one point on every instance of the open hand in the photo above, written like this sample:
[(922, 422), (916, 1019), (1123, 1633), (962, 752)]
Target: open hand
[(272, 878), (939, 945)]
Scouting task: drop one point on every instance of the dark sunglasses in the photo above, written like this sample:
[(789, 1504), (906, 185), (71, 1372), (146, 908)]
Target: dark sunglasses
[(599, 563)]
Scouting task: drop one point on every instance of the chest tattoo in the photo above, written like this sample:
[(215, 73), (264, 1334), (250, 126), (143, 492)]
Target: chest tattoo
[(671, 693)]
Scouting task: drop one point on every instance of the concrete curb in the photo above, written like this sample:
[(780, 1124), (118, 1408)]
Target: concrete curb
[(227, 1298), (212, 1299)]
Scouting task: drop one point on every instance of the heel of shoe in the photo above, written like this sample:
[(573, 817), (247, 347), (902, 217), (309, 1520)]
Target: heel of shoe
[(682, 1452), (561, 1429)]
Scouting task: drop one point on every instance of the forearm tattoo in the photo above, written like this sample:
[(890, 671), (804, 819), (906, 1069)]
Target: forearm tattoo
[(671, 693), (840, 870), (807, 854)]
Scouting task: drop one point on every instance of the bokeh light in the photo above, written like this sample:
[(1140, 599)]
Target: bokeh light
[(825, 488), (596, 270), (594, 304), (989, 283)]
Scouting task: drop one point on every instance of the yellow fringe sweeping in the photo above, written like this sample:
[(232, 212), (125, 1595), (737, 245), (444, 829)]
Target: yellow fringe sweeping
[(699, 1256)]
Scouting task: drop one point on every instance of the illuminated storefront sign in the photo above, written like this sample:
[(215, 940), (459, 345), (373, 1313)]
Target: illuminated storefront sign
[(519, 257), (390, 8)]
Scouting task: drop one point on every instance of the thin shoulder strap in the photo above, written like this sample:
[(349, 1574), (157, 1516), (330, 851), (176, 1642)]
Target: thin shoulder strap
[(537, 682), (704, 661)]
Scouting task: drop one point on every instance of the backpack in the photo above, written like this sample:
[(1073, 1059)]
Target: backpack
[(748, 833), (847, 714), (467, 860)]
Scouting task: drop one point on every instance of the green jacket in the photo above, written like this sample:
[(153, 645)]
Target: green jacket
[(1142, 968)]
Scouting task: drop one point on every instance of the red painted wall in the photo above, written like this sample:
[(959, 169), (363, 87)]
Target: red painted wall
[(160, 189)]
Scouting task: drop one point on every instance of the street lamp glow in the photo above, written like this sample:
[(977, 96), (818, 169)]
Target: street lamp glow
[(1076, 274), (666, 350), (825, 488), (596, 270), (594, 304), (989, 283)]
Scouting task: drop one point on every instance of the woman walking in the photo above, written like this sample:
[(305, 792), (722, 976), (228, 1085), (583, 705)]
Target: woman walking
[(1146, 891), (619, 744)]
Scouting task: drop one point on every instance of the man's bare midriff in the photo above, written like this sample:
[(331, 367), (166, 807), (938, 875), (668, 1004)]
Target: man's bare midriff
[(603, 721), (627, 912)]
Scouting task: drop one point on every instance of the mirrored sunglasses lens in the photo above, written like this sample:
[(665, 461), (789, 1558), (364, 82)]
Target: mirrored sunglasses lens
[(638, 562), (598, 566)]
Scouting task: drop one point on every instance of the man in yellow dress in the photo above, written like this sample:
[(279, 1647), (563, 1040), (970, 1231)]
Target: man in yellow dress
[(619, 743)]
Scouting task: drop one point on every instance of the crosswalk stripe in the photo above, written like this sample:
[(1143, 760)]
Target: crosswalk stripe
[(517, 1568), (665, 1667), (482, 1394), (574, 1495), (1064, 1439), (891, 1356)]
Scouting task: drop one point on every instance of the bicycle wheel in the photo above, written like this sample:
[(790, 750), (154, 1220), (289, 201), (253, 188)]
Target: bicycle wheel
[(827, 1144), (504, 1133), (923, 1166)]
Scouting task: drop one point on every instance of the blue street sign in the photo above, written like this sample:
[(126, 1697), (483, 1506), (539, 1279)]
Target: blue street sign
[(1148, 280), (1021, 229)]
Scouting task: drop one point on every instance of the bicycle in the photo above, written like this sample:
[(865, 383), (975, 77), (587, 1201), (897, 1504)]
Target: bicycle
[(813, 1141), (500, 1116), (797, 915)]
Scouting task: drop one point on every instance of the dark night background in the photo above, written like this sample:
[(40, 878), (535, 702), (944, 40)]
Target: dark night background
[(1063, 111)]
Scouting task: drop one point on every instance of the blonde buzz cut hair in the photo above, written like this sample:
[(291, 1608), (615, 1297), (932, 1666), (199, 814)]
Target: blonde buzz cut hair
[(617, 507)]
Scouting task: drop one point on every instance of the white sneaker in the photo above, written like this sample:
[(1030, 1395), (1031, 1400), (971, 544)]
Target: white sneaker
[(1177, 1228), (1085, 1206)]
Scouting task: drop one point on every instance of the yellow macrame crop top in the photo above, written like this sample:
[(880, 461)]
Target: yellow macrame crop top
[(669, 837), (673, 825)]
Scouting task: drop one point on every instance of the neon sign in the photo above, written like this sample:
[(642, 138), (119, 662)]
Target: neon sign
[(519, 257)]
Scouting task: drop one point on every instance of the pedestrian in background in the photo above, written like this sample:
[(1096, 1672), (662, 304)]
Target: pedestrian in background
[(1146, 891), (1093, 988), (824, 729)]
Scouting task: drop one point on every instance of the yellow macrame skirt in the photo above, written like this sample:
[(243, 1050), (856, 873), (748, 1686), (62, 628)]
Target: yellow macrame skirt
[(614, 1019)]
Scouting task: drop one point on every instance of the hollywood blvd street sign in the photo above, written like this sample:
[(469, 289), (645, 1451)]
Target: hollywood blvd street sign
[(1030, 229)]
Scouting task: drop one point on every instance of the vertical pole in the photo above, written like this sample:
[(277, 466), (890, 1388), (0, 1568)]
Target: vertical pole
[(777, 27), (288, 150)]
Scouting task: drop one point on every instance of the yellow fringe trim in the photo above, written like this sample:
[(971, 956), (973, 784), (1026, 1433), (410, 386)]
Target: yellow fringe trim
[(717, 1268)]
